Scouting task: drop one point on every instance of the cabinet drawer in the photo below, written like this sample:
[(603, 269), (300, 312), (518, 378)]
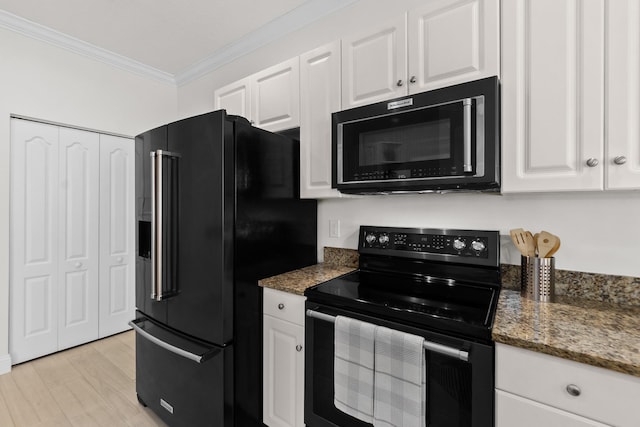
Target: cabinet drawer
[(600, 394), (512, 410), (283, 305)]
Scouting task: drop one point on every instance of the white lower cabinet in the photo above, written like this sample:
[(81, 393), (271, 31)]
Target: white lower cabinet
[(512, 410), (535, 389), (283, 359), (71, 276)]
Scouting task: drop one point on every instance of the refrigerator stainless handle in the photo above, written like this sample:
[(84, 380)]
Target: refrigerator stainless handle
[(466, 110), (428, 345), (157, 221), (154, 226), (176, 350)]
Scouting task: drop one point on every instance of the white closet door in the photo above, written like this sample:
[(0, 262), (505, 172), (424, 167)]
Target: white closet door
[(34, 231), (78, 237), (117, 240)]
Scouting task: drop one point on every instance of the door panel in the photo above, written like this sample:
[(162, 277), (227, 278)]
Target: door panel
[(235, 98), (34, 228), (78, 238), (623, 101), (552, 95), (453, 41), (204, 305), (319, 97), (276, 97), (117, 237), (374, 64)]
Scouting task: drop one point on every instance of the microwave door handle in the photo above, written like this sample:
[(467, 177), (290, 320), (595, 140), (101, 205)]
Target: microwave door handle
[(466, 111)]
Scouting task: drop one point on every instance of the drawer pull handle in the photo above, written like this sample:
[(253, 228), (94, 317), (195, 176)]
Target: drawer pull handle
[(281, 306), (298, 348), (573, 390)]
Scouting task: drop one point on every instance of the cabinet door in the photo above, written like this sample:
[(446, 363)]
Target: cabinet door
[(235, 98), (453, 41), (283, 370), (117, 236), (374, 64), (552, 95), (623, 100), (78, 237), (512, 410), (319, 97), (275, 97), (33, 236)]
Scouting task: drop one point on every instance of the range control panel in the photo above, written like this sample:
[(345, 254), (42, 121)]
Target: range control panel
[(463, 246)]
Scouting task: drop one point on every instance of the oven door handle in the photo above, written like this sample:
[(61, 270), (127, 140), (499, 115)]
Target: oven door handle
[(428, 345)]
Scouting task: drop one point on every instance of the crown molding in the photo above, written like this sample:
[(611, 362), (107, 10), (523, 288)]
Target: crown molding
[(305, 14), (40, 32)]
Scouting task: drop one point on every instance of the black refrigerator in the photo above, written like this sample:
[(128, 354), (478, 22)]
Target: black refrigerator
[(218, 208)]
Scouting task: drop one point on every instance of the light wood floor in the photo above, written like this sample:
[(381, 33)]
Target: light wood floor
[(90, 385)]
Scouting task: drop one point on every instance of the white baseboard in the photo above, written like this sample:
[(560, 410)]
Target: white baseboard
[(5, 364)]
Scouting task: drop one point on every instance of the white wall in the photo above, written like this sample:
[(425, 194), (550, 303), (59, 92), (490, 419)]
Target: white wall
[(45, 82), (600, 231)]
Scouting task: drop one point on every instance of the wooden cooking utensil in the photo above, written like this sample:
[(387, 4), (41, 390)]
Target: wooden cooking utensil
[(531, 244), (548, 244), (524, 241)]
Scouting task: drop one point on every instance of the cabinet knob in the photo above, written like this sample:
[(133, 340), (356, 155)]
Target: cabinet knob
[(573, 390), (620, 160), (399, 83), (412, 79), (281, 306), (120, 259), (592, 163), (298, 348), (78, 264)]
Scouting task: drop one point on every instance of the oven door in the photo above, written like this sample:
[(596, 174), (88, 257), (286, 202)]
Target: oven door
[(459, 392)]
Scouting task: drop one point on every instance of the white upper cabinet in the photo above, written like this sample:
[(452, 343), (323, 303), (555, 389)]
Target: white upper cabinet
[(269, 99), (235, 98), (570, 95), (275, 97), (552, 95), (440, 44), (622, 124), (319, 97), (452, 42), (374, 64)]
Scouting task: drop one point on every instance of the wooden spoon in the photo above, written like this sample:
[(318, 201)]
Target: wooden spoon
[(548, 244)]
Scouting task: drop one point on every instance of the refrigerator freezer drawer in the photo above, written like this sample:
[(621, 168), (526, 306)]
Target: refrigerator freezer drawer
[(179, 389)]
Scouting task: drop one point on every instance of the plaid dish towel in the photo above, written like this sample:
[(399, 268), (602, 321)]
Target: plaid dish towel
[(399, 374), (353, 368)]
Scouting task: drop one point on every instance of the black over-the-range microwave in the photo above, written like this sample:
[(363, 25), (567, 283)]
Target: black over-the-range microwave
[(441, 140)]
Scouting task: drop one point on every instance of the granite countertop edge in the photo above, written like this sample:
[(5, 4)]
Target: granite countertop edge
[(600, 335)]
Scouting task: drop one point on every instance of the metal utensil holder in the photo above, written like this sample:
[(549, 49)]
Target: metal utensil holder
[(538, 278)]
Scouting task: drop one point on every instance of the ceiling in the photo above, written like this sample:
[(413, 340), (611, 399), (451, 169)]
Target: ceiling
[(174, 40)]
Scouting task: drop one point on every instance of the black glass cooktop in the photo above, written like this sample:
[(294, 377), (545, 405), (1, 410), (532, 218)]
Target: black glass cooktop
[(442, 304)]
